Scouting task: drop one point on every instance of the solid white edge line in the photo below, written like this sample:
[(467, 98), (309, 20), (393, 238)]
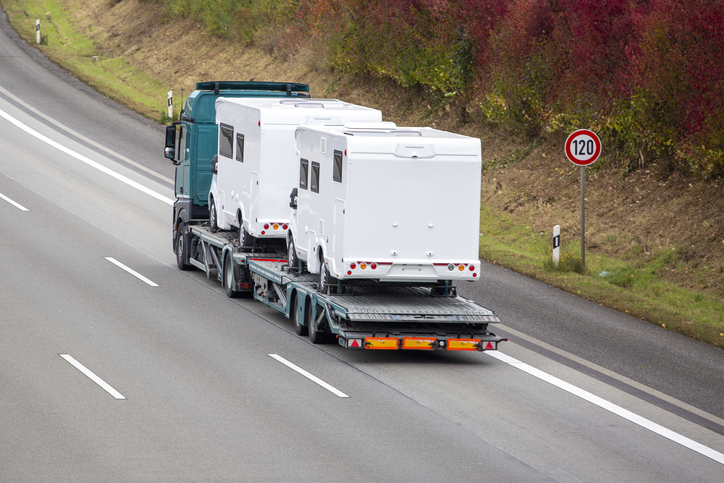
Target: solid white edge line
[(309, 376), (131, 271), (107, 387), (609, 406), (14, 203), (85, 159)]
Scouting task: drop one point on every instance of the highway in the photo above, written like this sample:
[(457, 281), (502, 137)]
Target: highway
[(116, 366)]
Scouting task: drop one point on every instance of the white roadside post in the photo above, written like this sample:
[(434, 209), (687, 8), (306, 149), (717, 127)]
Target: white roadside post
[(583, 147), (170, 104), (556, 245), (37, 31)]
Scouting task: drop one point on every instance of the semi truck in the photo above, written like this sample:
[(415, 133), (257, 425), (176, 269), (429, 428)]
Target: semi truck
[(375, 316)]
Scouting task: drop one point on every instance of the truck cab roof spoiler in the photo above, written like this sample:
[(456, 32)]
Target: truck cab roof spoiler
[(287, 87)]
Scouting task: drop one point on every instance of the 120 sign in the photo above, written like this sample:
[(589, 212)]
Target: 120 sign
[(583, 147)]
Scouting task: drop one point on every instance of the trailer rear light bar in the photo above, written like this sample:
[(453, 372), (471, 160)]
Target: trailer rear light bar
[(421, 343)]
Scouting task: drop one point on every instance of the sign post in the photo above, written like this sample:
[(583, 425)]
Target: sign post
[(583, 147)]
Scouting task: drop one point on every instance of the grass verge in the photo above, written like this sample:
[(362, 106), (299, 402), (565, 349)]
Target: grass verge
[(66, 46), (631, 287)]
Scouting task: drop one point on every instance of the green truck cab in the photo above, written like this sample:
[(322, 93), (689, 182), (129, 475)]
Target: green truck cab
[(192, 142)]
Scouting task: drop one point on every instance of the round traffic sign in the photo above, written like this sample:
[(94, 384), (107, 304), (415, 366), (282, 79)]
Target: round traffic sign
[(583, 147)]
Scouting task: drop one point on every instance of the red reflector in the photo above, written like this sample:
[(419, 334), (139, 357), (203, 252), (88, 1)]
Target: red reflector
[(353, 266), (354, 343), (263, 232), (345, 152), (259, 122), (266, 226), (489, 347), (349, 272), (373, 266), (472, 267), (285, 226), (475, 275)]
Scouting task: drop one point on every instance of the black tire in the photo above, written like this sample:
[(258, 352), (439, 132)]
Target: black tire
[(323, 282), (316, 336), (213, 222), (229, 278), (299, 328), (292, 259), (245, 240), (182, 248)]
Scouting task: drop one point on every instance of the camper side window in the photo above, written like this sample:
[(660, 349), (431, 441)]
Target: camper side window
[(303, 173), (315, 177), (337, 173), (226, 140), (240, 147)]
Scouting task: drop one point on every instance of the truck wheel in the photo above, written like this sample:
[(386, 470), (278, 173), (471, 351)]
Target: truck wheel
[(316, 336), (213, 223), (292, 259), (229, 278), (182, 249), (298, 327)]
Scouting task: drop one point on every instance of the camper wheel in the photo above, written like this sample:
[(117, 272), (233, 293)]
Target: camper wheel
[(292, 259), (323, 274), (245, 240), (213, 223)]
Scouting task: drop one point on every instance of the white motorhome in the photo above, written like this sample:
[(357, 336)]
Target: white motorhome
[(384, 203), (257, 162)]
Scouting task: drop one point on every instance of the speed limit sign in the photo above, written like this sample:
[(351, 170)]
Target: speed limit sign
[(583, 147)]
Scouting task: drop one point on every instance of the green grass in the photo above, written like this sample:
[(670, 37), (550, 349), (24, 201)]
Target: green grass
[(630, 286), (69, 48)]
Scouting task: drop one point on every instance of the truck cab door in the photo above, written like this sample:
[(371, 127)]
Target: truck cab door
[(181, 160)]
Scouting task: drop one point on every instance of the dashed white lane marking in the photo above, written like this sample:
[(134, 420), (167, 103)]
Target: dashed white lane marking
[(85, 159), (609, 406), (309, 376), (14, 203), (131, 271), (92, 376)]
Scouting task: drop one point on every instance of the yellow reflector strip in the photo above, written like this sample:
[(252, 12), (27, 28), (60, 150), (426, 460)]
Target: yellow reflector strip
[(462, 344), (381, 342), (418, 343)]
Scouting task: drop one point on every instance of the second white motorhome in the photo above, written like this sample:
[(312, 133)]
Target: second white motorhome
[(257, 162), (382, 203)]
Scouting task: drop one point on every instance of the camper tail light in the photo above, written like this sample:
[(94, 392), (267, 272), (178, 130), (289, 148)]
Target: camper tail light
[(362, 266)]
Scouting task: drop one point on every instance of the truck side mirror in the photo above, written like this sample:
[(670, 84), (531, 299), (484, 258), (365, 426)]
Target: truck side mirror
[(170, 150), (293, 199), (215, 164)]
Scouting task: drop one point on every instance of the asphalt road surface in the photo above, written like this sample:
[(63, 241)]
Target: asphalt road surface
[(116, 366)]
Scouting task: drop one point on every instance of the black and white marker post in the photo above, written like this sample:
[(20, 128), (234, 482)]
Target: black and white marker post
[(583, 147)]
